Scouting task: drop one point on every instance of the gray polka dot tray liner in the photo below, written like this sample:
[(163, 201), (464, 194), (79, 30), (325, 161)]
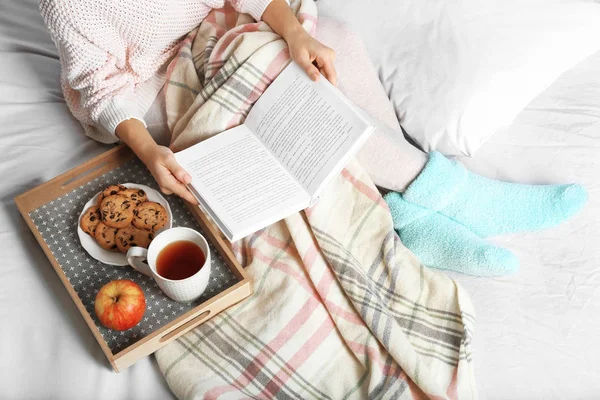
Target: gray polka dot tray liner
[(56, 223)]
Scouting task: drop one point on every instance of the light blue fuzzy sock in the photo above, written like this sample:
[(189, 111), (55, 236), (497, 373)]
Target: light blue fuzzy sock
[(489, 207), (440, 242)]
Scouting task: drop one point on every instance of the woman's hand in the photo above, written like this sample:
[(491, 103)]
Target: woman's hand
[(169, 175), (303, 48), (160, 160), (313, 56)]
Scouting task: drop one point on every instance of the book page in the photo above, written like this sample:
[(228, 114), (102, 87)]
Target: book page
[(306, 125), (241, 181)]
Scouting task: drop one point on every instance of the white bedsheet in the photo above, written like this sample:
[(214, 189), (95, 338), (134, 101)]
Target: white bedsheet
[(536, 331), (46, 349)]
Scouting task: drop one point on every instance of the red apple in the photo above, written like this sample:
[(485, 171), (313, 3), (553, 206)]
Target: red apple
[(120, 304)]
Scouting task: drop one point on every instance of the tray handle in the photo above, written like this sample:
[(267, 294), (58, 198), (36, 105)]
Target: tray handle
[(77, 178), (186, 327)]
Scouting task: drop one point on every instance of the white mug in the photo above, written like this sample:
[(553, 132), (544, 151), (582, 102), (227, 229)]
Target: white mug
[(183, 290)]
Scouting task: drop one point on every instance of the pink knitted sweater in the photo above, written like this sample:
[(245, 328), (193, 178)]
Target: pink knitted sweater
[(114, 52)]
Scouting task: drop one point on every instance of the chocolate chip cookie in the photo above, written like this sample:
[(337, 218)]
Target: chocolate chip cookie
[(105, 236), (89, 220), (109, 191), (131, 236), (116, 211), (150, 216), (136, 195)]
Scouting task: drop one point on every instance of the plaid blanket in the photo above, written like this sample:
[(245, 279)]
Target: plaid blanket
[(341, 309)]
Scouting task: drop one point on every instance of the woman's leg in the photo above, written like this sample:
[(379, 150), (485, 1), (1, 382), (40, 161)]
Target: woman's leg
[(486, 206), (388, 158), (393, 164), (444, 209)]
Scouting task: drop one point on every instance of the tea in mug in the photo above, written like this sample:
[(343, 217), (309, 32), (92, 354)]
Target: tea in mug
[(180, 260)]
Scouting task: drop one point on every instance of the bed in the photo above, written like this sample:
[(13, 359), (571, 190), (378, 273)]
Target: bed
[(536, 331)]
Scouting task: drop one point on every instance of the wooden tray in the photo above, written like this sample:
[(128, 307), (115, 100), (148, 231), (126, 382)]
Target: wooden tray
[(195, 314)]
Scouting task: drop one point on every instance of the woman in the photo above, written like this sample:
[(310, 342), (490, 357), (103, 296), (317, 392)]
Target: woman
[(114, 54)]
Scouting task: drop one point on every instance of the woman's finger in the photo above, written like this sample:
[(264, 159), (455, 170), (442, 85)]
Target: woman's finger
[(166, 191), (326, 65), (182, 191), (179, 179), (177, 170), (308, 66), (169, 184)]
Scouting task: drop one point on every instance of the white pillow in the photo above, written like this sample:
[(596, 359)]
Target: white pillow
[(458, 70)]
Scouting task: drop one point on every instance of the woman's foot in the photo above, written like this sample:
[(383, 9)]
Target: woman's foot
[(440, 242), (489, 207)]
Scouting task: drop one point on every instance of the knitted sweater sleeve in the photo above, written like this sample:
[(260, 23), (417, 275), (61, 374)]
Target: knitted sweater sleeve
[(97, 89)]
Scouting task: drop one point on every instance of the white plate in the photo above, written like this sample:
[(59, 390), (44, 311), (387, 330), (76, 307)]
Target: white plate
[(110, 257)]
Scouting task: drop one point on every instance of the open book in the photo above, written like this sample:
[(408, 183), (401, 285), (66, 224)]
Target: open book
[(298, 136)]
